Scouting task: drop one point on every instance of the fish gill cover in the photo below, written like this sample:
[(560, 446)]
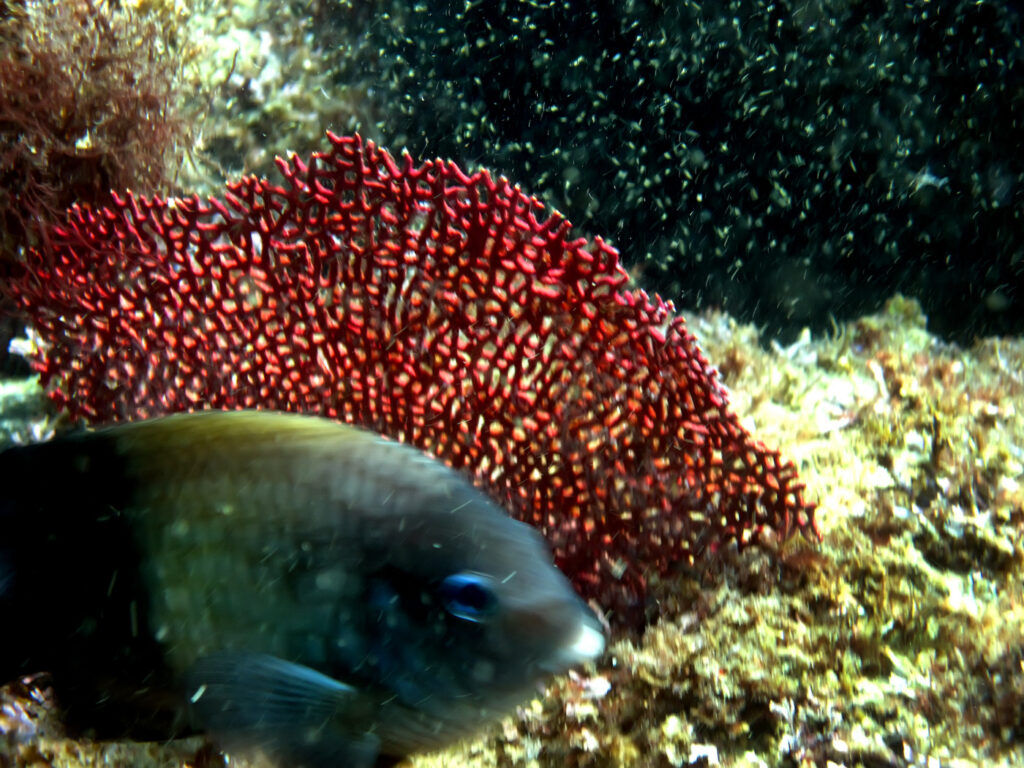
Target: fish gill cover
[(444, 309)]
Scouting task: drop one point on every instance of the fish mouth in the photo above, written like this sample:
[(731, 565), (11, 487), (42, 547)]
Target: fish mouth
[(586, 643), (589, 642)]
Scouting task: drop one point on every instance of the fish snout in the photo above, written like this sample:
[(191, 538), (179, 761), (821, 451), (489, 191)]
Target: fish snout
[(586, 644), (568, 631)]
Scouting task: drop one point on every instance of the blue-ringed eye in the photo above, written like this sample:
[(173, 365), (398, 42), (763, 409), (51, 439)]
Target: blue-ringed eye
[(469, 596)]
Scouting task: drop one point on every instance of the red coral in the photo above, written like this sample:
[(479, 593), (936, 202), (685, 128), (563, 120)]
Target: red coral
[(440, 308)]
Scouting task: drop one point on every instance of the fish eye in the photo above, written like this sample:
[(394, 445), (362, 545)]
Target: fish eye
[(469, 596)]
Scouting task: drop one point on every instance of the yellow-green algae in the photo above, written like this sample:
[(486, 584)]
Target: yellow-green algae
[(898, 640), (266, 82)]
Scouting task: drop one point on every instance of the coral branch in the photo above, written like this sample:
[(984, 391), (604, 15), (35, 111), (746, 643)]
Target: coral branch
[(444, 309)]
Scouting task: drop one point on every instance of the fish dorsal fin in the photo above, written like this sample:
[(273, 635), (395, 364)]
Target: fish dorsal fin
[(234, 427)]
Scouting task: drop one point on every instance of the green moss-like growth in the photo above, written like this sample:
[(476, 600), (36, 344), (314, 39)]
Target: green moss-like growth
[(91, 100)]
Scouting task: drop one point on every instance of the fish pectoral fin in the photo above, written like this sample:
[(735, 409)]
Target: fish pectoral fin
[(253, 702)]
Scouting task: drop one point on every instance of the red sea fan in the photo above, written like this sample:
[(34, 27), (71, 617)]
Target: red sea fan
[(443, 309)]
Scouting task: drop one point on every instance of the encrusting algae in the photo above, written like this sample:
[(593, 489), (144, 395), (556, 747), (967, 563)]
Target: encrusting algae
[(897, 640)]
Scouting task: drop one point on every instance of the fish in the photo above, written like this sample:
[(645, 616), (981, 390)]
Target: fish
[(301, 590)]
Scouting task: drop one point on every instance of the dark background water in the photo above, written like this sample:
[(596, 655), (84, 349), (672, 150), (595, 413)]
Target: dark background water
[(789, 162)]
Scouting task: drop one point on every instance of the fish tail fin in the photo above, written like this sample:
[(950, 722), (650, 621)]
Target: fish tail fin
[(10, 586), (17, 522), (9, 654), (10, 488), (45, 527)]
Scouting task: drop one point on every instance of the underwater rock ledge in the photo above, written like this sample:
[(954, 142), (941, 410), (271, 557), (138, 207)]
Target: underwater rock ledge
[(898, 639)]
